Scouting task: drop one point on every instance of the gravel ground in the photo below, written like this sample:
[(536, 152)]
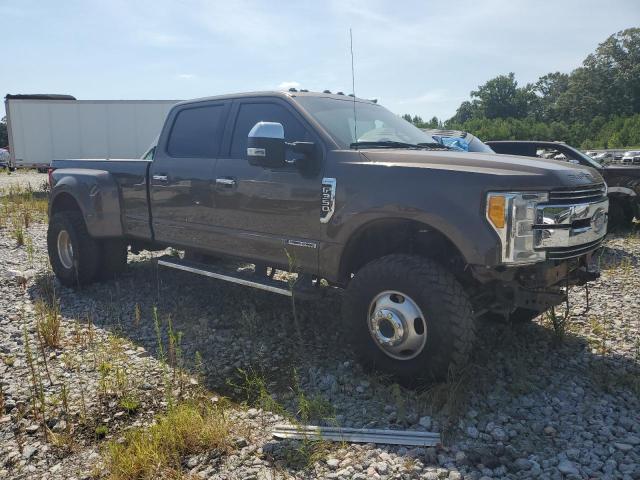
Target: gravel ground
[(23, 178), (529, 406)]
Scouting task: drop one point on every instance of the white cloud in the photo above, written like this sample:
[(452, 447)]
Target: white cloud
[(186, 76), (288, 85)]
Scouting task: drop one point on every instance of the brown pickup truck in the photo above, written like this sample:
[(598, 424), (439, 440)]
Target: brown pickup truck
[(422, 239)]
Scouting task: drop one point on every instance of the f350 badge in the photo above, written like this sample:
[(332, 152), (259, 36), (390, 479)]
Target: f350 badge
[(328, 199)]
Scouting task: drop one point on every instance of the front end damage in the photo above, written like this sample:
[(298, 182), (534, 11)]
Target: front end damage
[(563, 232), (537, 287)]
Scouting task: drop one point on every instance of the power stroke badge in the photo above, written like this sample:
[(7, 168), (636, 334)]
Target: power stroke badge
[(328, 199)]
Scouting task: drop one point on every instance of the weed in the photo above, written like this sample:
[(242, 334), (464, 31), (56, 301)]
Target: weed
[(46, 286), (449, 398), (62, 440), (101, 431), (291, 280), (311, 408), (49, 323), (17, 232), (38, 401), (303, 454), (30, 250), (9, 360), (129, 404), (254, 387), (558, 322), (157, 452), (1, 401), (136, 315)]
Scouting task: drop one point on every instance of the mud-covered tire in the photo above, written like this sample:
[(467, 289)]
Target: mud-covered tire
[(113, 258), (85, 249), (450, 325)]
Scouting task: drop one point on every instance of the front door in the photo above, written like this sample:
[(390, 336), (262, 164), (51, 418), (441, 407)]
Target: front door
[(182, 174), (272, 214)]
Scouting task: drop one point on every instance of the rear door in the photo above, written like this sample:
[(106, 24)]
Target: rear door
[(270, 214), (182, 173)]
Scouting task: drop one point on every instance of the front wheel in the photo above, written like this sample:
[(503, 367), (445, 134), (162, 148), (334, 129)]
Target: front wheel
[(73, 253), (409, 317)]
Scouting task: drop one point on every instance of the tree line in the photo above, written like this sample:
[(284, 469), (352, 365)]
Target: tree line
[(4, 136), (595, 106)]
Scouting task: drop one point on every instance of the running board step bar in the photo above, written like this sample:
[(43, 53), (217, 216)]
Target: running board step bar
[(240, 278)]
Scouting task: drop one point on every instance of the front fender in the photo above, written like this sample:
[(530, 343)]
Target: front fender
[(621, 192), (96, 194)]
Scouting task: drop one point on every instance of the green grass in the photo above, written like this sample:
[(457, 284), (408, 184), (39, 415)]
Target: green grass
[(20, 206), (158, 451)]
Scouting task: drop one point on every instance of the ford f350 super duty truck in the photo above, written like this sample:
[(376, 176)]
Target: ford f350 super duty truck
[(422, 239)]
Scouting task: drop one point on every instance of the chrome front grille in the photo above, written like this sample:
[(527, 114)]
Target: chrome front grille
[(572, 252), (583, 194), (566, 230)]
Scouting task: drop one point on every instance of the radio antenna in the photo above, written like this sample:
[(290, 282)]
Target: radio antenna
[(353, 91)]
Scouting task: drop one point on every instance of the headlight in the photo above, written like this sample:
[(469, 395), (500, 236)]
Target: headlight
[(512, 215)]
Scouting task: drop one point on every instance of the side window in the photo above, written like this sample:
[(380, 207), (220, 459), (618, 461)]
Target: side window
[(251, 113), (149, 154), (196, 132)]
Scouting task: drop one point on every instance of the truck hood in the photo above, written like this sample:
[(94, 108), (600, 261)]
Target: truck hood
[(510, 171)]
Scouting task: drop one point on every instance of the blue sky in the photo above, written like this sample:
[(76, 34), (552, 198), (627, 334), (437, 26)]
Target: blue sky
[(419, 57)]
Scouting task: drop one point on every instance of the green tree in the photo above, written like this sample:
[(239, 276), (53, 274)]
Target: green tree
[(4, 136), (501, 97), (548, 90)]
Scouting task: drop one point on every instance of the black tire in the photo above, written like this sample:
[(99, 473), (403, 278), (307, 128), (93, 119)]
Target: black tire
[(621, 213), (113, 260), (86, 250), (523, 315), (450, 325)]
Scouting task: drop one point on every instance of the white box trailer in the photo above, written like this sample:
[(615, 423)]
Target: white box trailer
[(46, 127)]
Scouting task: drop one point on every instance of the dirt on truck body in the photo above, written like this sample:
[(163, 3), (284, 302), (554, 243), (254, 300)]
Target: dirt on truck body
[(422, 239)]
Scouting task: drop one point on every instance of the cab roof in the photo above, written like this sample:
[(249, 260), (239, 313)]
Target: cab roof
[(278, 93)]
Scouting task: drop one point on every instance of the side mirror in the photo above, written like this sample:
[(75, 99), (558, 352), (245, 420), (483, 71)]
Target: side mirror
[(265, 145)]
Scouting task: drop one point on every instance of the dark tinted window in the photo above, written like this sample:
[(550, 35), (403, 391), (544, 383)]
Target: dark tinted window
[(196, 132), (251, 113)]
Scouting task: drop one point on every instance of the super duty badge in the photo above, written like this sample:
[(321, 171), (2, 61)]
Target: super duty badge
[(328, 199)]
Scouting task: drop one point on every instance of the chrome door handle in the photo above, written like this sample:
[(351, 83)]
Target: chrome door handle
[(226, 181), (160, 178)]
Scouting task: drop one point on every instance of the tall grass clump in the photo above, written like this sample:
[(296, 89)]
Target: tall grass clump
[(157, 452), (49, 323)]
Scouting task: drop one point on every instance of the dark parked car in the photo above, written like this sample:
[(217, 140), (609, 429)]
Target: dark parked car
[(623, 181), (422, 238)]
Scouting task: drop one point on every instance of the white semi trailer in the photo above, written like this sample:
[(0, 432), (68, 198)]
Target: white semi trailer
[(45, 127)]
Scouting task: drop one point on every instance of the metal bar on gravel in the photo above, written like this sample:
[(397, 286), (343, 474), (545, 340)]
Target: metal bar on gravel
[(358, 435)]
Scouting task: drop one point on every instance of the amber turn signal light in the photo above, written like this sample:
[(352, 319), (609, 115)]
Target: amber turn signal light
[(496, 210)]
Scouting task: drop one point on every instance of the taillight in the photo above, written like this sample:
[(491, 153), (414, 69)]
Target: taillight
[(50, 173)]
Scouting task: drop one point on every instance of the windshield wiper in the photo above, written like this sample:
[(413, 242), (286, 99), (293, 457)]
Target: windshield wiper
[(434, 145), (383, 144), (393, 144)]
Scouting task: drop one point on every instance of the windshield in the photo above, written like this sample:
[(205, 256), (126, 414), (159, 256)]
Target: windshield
[(590, 161), (374, 122), (468, 143)]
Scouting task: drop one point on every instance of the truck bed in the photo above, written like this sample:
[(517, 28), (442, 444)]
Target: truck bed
[(128, 180)]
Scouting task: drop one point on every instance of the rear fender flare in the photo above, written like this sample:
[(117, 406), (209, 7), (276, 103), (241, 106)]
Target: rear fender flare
[(97, 195)]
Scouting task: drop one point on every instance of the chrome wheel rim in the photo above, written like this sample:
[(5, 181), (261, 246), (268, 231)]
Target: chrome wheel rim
[(397, 325), (65, 249)]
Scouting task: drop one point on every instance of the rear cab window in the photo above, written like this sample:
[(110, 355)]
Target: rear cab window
[(197, 131)]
